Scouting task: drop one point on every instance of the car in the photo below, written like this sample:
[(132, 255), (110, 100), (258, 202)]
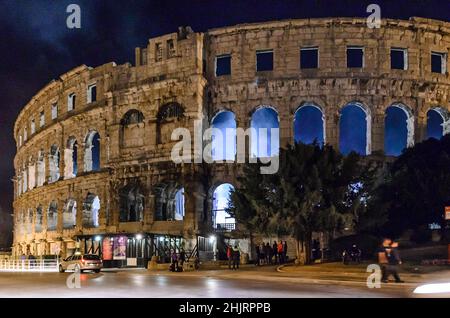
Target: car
[(81, 262)]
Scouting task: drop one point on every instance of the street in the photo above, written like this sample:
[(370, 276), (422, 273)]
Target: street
[(143, 284)]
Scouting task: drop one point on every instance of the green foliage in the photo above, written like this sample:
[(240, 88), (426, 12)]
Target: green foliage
[(417, 186), (315, 190)]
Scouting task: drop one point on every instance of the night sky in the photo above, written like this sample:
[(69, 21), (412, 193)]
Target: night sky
[(36, 46)]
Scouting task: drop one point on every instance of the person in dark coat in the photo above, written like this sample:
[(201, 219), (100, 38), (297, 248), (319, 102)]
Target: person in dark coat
[(393, 258), (268, 253), (275, 251), (236, 257), (258, 255), (262, 254), (382, 258), (285, 249)]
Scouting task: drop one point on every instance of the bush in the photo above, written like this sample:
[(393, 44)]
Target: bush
[(367, 243)]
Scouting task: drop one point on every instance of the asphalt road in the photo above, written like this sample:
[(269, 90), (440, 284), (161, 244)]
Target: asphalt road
[(143, 284)]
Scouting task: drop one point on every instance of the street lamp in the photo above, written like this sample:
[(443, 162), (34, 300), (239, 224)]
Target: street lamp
[(98, 238), (138, 236)]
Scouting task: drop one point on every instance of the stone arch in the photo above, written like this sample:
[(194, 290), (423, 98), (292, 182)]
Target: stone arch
[(91, 211), (223, 136), (92, 151), (169, 201), (265, 135), (220, 195), (71, 158), (313, 120), (52, 216), (398, 135), (39, 220), (132, 129), (168, 118), (355, 124), (53, 162), (132, 203), (438, 122), (70, 214), (40, 167)]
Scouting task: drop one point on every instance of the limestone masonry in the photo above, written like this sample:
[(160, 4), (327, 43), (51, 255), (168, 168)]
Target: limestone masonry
[(93, 167)]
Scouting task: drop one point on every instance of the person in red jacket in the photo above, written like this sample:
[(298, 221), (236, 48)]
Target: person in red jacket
[(280, 252), (229, 256)]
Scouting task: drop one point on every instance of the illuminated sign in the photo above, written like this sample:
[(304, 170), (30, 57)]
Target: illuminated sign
[(107, 248), (120, 248), (447, 212)]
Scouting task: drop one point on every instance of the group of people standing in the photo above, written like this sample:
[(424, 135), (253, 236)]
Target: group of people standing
[(271, 255), (177, 260), (234, 256)]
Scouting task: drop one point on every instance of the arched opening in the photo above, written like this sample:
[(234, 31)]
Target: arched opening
[(309, 124), (31, 173), (29, 221), (70, 214), (169, 202), (438, 123), (265, 140), (39, 219), (132, 129), (53, 162), (40, 169), (167, 119), (92, 152), (354, 129), (91, 209), (24, 179), (224, 136), (221, 219), (398, 129), (71, 158), (52, 216), (132, 204)]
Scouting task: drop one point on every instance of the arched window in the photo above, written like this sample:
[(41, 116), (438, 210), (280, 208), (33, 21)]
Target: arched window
[(91, 209), (52, 216), (221, 219), (92, 152), (169, 202), (70, 214), (224, 136), (31, 173), (24, 179), (265, 141), (398, 129), (29, 221), (39, 219), (309, 124), (355, 129), (41, 168), (71, 158), (132, 129), (53, 162), (167, 120), (438, 122), (131, 204)]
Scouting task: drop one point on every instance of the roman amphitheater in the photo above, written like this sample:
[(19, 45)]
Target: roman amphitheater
[(93, 166)]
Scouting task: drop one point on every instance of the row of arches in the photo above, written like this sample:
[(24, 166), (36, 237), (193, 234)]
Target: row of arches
[(34, 175), (34, 218), (309, 125)]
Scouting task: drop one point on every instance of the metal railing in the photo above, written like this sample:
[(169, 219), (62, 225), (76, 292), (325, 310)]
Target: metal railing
[(29, 265), (225, 227)]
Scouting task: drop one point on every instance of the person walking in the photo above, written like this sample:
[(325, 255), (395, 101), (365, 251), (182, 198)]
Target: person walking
[(268, 254), (258, 255), (275, 251), (280, 252), (393, 258), (229, 256), (285, 249), (236, 257), (382, 258)]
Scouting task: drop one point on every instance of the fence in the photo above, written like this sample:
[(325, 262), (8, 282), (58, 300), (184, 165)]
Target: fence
[(29, 265)]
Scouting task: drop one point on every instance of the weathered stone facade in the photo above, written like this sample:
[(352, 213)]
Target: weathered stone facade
[(174, 83)]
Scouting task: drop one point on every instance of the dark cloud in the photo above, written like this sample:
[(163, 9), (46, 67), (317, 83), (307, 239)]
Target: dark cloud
[(36, 46)]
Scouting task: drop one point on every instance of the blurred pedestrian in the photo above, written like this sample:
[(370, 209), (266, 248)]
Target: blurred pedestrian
[(236, 253), (268, 253), (258, 255), (393, 258), (229, 256), (280, 252), (285, 249), (275, 251), (382, 258), (262, 253)]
